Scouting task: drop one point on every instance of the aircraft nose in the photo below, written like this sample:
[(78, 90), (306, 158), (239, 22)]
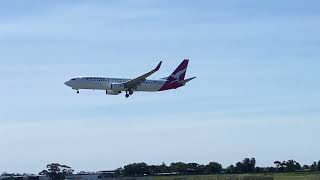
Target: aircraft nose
[(67, 83)]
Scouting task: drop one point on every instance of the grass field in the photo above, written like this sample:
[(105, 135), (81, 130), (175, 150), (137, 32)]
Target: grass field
[(284, 176)]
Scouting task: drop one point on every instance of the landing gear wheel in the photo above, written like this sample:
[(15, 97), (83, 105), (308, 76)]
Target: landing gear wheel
[(77, 91), (127, 95), (130, 92)]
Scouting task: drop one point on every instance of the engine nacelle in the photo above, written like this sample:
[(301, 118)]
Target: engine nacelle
[(117, 87), (111, 92)]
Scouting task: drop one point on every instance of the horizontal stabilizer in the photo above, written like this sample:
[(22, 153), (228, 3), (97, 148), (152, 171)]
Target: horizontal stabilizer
[(185, 80), (165, 78)]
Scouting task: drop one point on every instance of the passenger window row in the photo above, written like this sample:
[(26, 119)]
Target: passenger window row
[(119, 81)]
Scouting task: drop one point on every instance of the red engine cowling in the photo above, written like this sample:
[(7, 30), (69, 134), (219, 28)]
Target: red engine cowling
[(112, 92)]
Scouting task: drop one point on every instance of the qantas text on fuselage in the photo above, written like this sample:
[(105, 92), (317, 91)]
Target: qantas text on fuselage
[(114, 86)]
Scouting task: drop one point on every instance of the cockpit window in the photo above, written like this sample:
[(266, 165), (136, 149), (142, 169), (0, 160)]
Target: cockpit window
[(73, 79)]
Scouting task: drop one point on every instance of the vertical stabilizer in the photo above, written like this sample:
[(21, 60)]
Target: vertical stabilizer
[(176, 79), (180, 72)]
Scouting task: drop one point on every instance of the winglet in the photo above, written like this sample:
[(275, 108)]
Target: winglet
[(158, 67)]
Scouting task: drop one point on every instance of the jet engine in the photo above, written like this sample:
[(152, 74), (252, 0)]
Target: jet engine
[(117, 87), (111, 92)]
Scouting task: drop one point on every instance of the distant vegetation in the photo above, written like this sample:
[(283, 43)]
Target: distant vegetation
[(247, 165), (56, 171)]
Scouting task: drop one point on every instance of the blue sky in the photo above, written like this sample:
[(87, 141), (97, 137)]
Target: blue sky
[(256, 92)]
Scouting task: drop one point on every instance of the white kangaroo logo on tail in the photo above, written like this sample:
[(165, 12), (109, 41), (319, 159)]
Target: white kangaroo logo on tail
[(177, 75)]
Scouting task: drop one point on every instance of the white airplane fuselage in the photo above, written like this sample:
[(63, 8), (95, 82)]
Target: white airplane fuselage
[(101, 83), (114, 86)]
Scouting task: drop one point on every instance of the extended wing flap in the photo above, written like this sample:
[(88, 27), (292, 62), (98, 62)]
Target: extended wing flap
[(134, 83)]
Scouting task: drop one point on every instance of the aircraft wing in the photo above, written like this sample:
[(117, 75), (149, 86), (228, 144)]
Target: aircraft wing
[(134, 83)]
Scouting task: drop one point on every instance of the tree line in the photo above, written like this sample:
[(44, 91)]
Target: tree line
[(247, 165), (55, 171)]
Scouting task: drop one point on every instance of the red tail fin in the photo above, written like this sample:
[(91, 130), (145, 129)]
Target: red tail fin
[(180, 72)]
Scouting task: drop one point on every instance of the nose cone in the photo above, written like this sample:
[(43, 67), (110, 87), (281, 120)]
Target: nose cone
[(68, 83)]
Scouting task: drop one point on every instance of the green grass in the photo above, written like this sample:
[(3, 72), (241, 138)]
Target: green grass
[(280, 176), (294, 176)]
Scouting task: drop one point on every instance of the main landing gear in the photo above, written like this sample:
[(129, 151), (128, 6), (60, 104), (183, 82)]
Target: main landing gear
[(77, 91), (129, 93)]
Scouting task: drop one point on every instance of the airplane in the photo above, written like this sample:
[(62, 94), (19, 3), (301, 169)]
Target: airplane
[(114, 86)]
